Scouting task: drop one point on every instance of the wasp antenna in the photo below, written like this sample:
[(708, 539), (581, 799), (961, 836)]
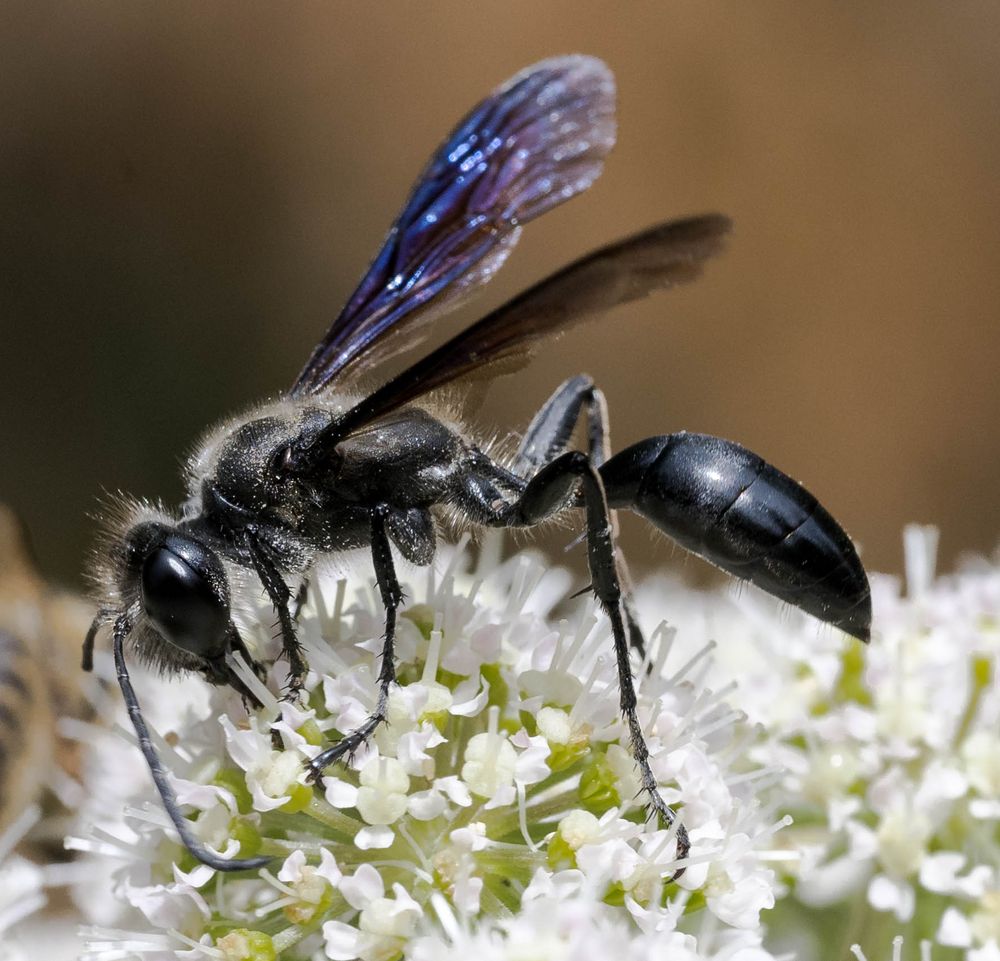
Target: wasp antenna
[(87, 660), (103, 616), (160, 773)]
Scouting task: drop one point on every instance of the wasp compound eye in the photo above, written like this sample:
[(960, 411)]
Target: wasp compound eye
[(184, 605)]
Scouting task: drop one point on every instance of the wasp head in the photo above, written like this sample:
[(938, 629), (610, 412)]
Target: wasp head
[(167, 592), (172, 585)]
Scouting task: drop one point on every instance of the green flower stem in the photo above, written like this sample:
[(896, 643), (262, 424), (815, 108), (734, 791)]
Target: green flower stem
[(982, 673), (926, 918), (854, 923), (323, 811), (536, 814), (288, 937), (872, 930), (499, 896), (508, 856), (294, 933)]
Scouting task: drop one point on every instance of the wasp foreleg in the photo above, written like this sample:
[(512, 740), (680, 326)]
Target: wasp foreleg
[(161, 776), (392, 597), (301, 599), (280, 596)]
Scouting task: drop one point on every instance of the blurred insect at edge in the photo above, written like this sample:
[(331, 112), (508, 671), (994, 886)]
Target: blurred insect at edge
[(39, 683), (329, 467)]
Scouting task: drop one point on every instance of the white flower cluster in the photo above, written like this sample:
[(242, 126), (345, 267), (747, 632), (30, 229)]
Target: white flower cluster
[(497, 812), (891, 757), (22, 884)]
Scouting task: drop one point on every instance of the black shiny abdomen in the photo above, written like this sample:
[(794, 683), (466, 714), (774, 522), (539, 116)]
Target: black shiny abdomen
[(722, 502)]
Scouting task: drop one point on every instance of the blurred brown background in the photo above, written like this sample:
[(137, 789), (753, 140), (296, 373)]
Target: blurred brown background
[(188, 192)]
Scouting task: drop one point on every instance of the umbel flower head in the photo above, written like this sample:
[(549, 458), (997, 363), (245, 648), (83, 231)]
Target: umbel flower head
[(891, 760), (21, 883), (498, 811)]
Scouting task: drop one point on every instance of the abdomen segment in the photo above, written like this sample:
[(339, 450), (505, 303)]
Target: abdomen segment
[(721, 501)]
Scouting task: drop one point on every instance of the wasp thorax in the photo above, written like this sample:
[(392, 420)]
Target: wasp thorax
[(243, 475), (185, 596)]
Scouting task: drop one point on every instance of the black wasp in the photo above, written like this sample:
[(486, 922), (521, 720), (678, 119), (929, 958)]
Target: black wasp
[(323, 469)]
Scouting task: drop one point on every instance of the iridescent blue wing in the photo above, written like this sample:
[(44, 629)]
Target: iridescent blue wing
[(656, 259), (534, 142)]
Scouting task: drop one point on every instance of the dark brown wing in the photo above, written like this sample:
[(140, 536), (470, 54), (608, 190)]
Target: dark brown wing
[(536, 141), (658, 258)]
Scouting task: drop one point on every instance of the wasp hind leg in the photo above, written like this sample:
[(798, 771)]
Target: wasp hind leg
[(392, 597), (547, 437), (552, 489)]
